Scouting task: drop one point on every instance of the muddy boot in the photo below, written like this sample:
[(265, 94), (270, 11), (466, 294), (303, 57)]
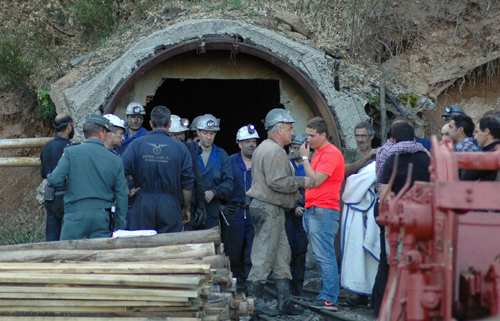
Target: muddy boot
[(284, 304), (296, 288), (256, 289)]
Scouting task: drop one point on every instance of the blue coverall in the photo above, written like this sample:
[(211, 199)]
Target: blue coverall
[(141, 132), (297, 236), (217, 177), (162, 167), (239, 234)]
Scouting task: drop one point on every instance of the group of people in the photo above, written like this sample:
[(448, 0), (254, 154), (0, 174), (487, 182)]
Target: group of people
[(271, 205)]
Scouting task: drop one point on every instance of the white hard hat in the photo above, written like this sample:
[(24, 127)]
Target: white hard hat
[(277, 115), (208, 122), (194, 123), (135, 108), (115, 121), (246, 132), (178, 125)]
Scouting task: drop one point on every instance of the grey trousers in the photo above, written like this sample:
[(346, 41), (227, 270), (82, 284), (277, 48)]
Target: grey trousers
[(270, 249)]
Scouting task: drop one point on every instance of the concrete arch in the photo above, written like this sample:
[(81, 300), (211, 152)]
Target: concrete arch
[(306, 65)]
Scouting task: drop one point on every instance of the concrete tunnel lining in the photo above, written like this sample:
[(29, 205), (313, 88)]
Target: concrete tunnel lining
[(303, 63)]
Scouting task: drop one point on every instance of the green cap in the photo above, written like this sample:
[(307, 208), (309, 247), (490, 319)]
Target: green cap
[(97, 119)]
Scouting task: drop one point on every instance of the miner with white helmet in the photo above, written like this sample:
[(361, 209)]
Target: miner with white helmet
[(275, 188), (178, 128), (135, 116), (114, 138), (238, 237), (215, 168)]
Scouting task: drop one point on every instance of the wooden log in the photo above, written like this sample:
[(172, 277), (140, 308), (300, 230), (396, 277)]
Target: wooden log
[(77, 296), (202, 236), (106, 268), (216, 261), (167, 317), (119, 255), (162, 294), (89, 303), (59, 318), (121, 280), (132, 309)]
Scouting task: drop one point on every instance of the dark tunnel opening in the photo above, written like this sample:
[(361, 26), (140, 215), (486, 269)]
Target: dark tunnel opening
[(236, 102)]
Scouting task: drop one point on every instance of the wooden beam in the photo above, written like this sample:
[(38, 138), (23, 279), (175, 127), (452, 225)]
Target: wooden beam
[(89, 303), (122, 280), (106, 268), (119, 255), (202, 236), (109, 291)]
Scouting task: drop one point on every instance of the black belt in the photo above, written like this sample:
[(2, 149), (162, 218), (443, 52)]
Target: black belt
[(243, 206)]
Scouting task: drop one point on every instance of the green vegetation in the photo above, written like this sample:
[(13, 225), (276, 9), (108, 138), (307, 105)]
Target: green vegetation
[(237, 4), (95, 16), (411, 99), (21, 234), (46, 109), (16, 68), (375, 101)]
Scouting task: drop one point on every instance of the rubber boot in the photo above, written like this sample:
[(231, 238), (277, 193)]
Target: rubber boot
[(256, 289), (297, 288), (284, 304)]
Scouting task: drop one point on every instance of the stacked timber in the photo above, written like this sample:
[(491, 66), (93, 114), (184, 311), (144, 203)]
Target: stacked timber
[(177, 276)]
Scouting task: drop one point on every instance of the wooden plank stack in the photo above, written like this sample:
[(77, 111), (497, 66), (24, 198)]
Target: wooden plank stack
[(162, 277)]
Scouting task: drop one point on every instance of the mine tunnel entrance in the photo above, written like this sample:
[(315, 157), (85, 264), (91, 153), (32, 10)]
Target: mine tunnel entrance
[(237, 102)]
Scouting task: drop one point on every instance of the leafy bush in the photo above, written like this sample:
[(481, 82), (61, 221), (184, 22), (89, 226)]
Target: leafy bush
[(16, 69), (95, 16), (46, 108)]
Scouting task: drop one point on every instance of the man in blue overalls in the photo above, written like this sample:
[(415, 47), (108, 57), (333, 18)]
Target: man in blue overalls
[(215, 168), (295, 232), (135, 116), (162, 167), (238, 237)]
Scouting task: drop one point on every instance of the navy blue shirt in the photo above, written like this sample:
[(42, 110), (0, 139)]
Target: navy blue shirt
[(128, 139), (242, 179), (51, 154)]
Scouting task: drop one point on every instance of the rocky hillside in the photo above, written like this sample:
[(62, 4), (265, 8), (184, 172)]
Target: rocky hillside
[(431, 52)]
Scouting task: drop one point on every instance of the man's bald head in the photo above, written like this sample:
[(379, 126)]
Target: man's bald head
[(64, 125)]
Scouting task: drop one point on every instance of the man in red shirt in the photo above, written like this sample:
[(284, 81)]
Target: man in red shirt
[(321, 219)]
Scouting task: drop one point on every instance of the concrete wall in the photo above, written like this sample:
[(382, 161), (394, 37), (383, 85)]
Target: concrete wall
[(84, 96), (214, 65)]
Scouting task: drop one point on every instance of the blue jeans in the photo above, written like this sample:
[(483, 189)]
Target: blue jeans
[(321, 225)]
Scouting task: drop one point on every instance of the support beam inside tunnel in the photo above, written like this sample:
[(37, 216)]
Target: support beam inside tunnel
[(236, 102)]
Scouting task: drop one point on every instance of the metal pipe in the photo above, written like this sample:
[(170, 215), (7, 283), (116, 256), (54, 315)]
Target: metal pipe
[(24, 142), (19, 162)]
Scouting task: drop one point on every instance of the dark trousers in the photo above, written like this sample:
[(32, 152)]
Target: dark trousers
[(382, 273), (297, 237), (238, 240), (55, 213)]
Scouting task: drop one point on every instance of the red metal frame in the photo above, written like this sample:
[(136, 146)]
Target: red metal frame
[(448, 266)]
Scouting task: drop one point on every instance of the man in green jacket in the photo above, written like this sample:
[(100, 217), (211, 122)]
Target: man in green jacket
[(95, 202)]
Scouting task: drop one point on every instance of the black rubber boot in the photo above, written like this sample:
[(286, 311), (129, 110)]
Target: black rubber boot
[(256, 289), (359, 300), (296, 288), (286, 306)]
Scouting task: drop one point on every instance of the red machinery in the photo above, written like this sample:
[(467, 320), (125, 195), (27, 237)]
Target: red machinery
[(450, 235)]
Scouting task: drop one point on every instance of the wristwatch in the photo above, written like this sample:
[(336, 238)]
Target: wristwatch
[(305, 157)]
